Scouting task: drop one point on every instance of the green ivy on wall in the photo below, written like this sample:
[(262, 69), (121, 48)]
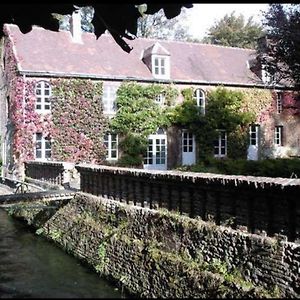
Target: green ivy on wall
[(223, 111), (138, 115), (79, 123)]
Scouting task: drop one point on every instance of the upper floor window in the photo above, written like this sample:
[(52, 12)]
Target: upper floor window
[(43, 95), (109, 99), (278, 136), (160, 99), (199, 96), (254, 134), (279, 102), (161, 66), (42, 147), (111, 144), (220, 144)]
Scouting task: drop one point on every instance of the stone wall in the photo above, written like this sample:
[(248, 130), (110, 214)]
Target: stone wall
[(256, 204), (157, 253)]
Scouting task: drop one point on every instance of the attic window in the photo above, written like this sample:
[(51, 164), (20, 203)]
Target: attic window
[(43, 95), (161, 66)]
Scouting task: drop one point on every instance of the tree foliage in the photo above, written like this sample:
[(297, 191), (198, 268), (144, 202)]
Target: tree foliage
[(119, 19), (279, 50), (159, 27), (234, 31), (86, 13)]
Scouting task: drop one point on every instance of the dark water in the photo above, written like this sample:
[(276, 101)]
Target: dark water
[(32, 267)]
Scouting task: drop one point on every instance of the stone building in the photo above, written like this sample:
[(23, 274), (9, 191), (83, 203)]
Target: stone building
[(30, 61)]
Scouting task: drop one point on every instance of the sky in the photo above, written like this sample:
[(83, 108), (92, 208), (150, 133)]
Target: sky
[(202, 16)]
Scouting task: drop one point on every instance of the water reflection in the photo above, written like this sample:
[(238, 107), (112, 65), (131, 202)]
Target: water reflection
[(31, 267)]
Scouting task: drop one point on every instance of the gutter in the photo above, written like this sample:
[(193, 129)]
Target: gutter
[(147, 80)]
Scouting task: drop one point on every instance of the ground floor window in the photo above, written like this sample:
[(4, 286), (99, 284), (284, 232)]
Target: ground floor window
[(111, 145), (254, 134), (278, 135), (220, 144), (42, 146)]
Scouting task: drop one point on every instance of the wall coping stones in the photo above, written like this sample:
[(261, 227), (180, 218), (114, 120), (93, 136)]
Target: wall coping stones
[(196, 177)]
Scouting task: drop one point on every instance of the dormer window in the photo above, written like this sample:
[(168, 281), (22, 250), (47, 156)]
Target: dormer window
[(43, 95), (157, 59), (160, 67)]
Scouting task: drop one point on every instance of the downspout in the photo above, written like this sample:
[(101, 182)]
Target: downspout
[(22, 165)]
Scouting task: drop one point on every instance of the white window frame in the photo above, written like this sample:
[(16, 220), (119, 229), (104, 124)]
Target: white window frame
[(199, 96), (160, 99), (254, 134), (43, 100), (111, 139), (279, 98), (278, 130), (43, 148), (109, 97), (161, 70), (220, 146)]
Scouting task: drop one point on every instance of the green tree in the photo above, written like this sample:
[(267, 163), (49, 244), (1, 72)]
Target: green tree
[(159, 27), (279, 50), (234, 31)]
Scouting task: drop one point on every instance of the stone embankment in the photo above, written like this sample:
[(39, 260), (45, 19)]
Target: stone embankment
[(157, 253)]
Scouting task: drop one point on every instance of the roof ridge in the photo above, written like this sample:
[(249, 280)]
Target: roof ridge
[(151, 39)]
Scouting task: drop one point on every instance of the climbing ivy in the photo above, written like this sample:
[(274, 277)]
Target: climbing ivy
[(223, 111), (138, 115), (79, 123)]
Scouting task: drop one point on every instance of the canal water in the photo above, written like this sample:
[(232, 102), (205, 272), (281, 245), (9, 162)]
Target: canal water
[(32, 267)]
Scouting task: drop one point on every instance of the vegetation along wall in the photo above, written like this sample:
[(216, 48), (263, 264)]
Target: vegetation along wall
[(155, 253)]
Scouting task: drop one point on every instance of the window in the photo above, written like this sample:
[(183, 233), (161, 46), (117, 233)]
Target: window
[(220, 144), (254, 134), (199, 95), (161, 66), (279, 102), (187, 142), (109, 99), (111, 144), (278, 135), (43, 95), (160, 99), (42, 147)]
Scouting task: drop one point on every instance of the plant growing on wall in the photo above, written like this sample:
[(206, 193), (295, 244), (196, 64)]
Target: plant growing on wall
[(79, 124), (138, 115), (223, 111)]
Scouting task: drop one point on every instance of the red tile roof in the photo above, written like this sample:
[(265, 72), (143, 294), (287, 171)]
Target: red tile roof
[(41, 50)]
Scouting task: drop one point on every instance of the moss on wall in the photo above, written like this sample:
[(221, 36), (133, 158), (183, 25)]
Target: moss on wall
[(160, 253)]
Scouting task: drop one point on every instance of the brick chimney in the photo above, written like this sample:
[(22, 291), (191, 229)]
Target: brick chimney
[(75, 26)]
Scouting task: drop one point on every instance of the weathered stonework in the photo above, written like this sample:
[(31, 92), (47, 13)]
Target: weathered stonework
[(257, 204), (156, 253)]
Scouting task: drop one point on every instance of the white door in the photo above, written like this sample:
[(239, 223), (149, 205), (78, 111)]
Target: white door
[(188, 148), (252, 152), (156, 156)]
